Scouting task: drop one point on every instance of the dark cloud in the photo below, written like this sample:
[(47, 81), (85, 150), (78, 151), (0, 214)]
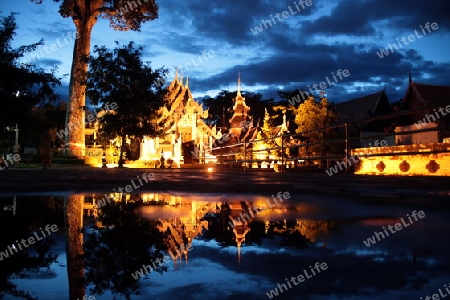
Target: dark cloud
[(301, 50), (56, 30), (295, 58), (47, 63), (356, 18), (316, 62)]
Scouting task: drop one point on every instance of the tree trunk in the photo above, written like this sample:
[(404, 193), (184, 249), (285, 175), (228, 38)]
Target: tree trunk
[(77, 89), (122, 146), (74, 246)]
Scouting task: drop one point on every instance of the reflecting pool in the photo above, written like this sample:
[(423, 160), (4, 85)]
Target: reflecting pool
[(219, 246)]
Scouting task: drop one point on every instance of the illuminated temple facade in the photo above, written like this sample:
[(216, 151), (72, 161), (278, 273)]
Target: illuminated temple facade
[(186, 132)]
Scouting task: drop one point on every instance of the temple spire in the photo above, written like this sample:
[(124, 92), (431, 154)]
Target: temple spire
[(284, 127), (187, 82), (176, 74)]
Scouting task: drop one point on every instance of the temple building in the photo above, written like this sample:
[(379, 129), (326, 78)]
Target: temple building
[(422, 138), (186, 132), (239, 129), (420, 96)]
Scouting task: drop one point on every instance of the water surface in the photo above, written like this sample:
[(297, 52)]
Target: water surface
[(211, 246)]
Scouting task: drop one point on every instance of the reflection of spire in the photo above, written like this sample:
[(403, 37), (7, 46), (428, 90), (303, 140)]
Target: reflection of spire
[(241, 227), (239, 252)]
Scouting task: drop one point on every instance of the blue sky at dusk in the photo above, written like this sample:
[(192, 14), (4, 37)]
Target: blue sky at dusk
[(303, 45)]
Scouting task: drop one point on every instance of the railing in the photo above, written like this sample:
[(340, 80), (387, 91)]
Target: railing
[(244, 154)]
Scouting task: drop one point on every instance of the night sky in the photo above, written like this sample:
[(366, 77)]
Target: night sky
[(304, 43)]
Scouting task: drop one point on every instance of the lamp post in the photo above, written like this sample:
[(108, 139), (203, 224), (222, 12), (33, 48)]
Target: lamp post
[(14, 206), (16, 129), (16, 144)]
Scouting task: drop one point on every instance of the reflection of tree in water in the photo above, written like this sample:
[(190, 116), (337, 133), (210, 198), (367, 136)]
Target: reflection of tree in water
[(119, 248), (301, 232), (290, 234), (31, 214), (218, 227)]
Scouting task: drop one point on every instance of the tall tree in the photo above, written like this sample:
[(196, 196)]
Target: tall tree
[(125, 86), (123, 15)]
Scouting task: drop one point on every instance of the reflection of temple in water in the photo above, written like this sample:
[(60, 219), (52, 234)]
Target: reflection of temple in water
[(180, 217), (185, 218)]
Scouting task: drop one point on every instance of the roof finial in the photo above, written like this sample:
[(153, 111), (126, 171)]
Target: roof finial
[(187, 82), (410, 77), (239, 85), (181, 79), (176, 74), (322, 94)]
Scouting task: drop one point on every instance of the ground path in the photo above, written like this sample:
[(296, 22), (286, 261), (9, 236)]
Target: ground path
[(434, 191)]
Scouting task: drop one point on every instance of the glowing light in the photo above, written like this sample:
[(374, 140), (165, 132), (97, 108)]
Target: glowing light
[(210, 169)]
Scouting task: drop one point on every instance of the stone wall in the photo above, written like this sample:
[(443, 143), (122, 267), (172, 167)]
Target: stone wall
[(422, 160)]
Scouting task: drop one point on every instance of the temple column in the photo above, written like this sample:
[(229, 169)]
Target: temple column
[(142, 149), (194, 127)]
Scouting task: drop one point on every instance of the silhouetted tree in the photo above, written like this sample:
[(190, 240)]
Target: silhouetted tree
[(35, 258), (218, 106), (223, 103), (22, 86), (121, 77), (294, 97), (121, 247)]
